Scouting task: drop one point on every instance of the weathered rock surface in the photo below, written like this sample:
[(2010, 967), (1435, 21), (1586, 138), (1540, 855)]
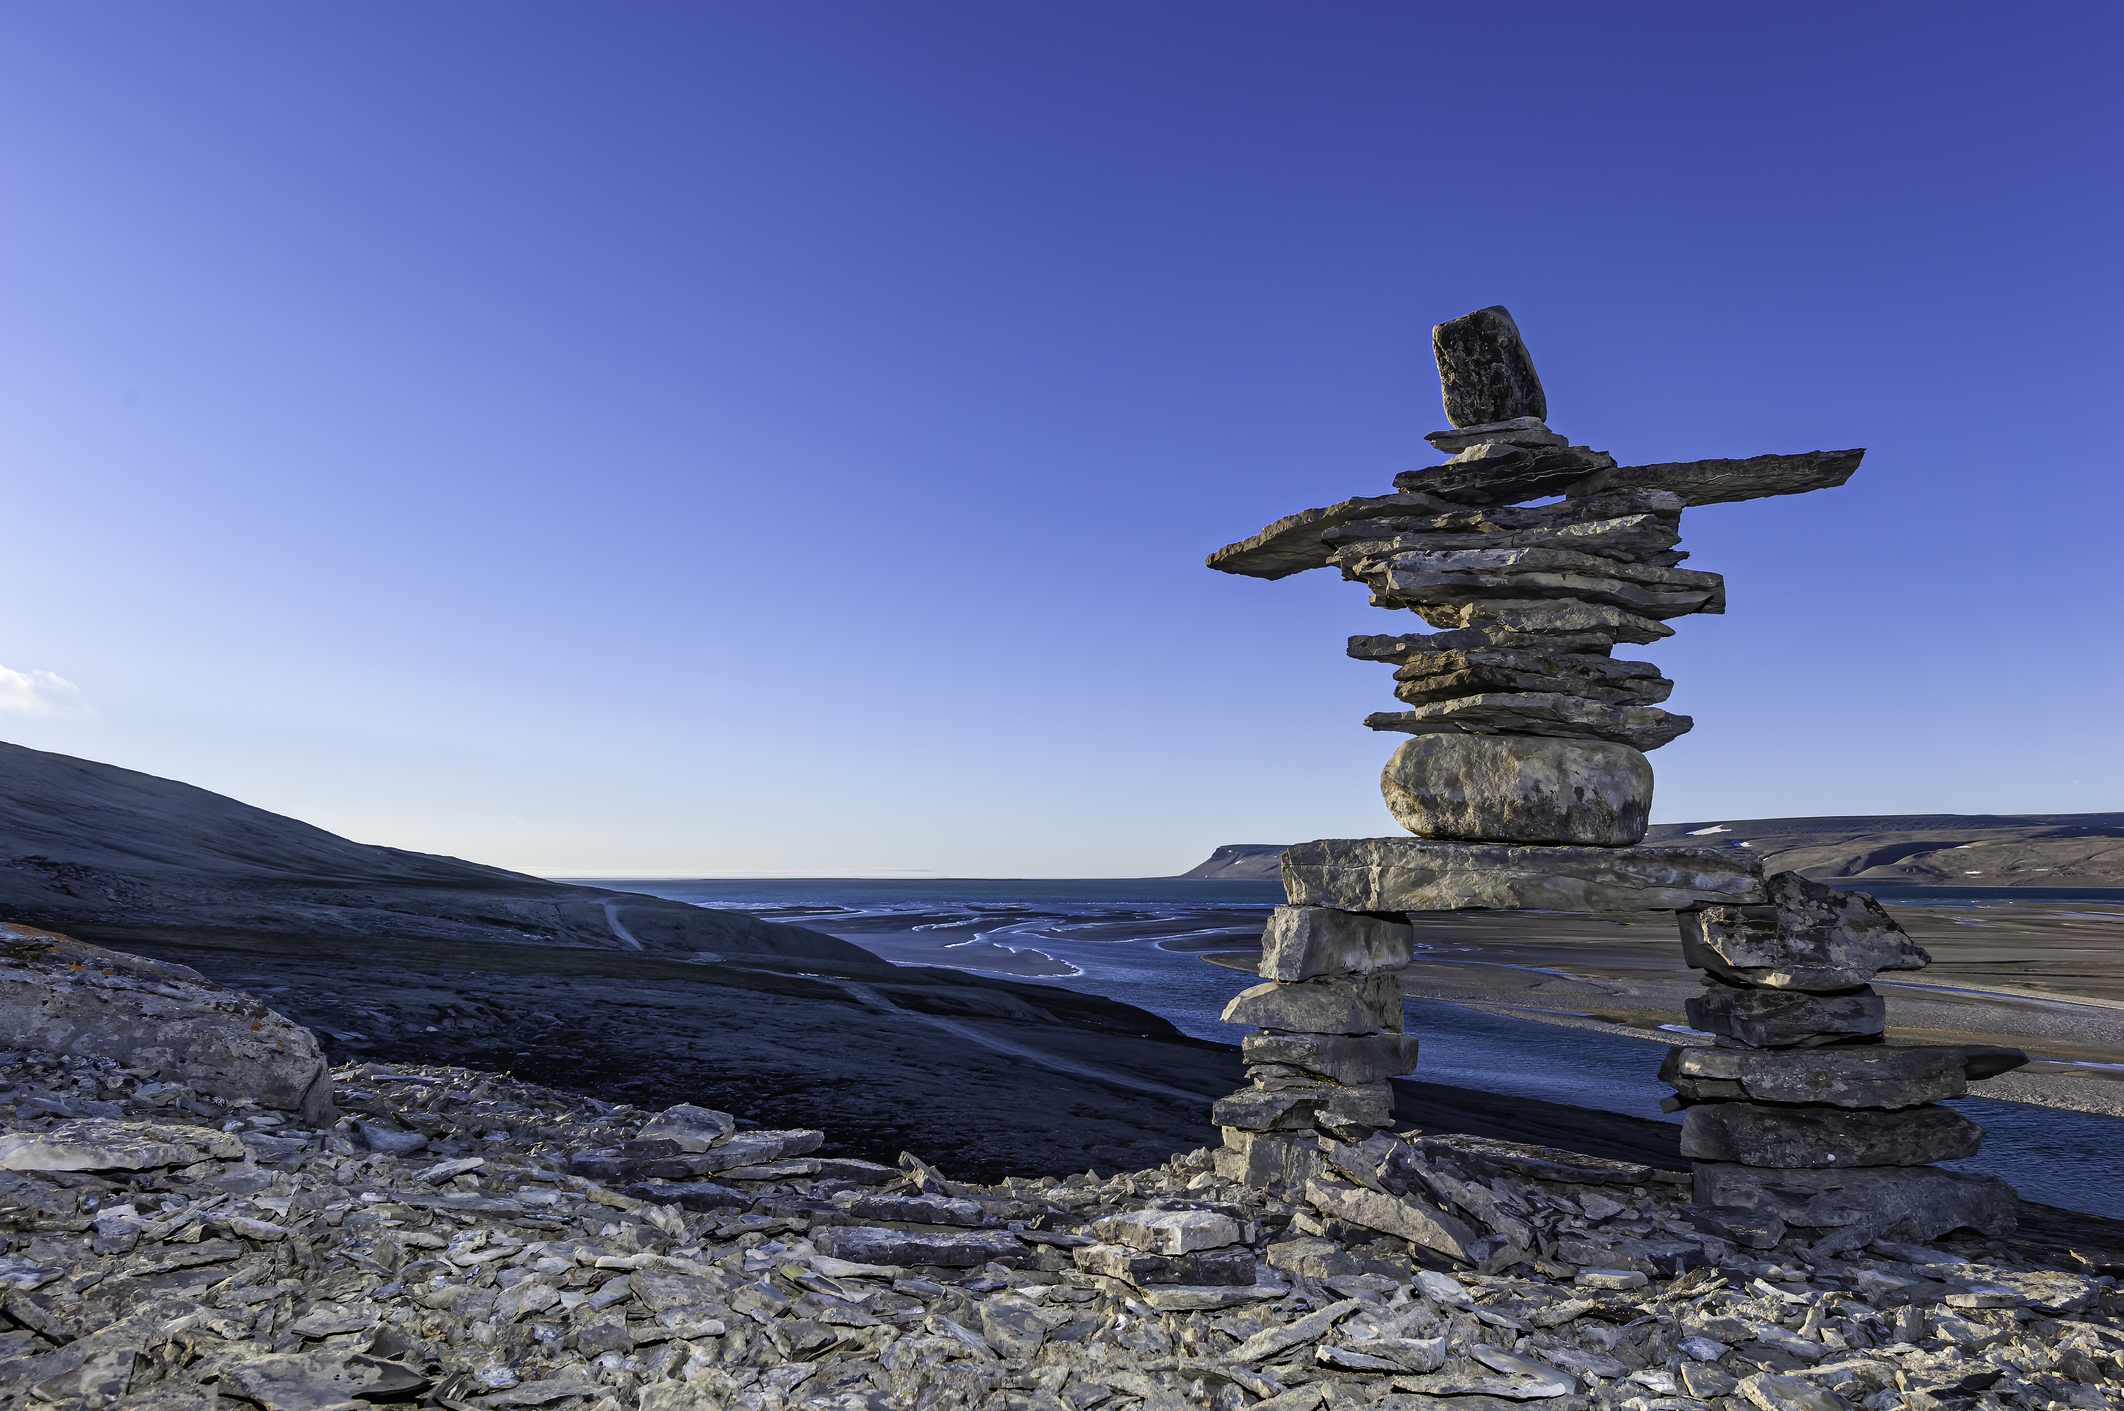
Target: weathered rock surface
[(1717, 482), (1367, 1058), (1411, 647), (1540, 714), (1293, 543), (169, 1021), (1519, 431), (99, 1144), (1296, 1102), (1816, 1137), (316, 1273), (1787, 1018), (1413, 874), (1501, 620), (1430, 581), (1758, 946), (1358, 1004), (1512, 788), (1902, 1202), (1485, 371), (1300, 942), (1630, 526), (1866, 1075), (1499, 473), (1424, 677)]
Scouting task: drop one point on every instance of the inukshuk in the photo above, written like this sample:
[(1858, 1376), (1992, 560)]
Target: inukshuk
[(1526, 786)]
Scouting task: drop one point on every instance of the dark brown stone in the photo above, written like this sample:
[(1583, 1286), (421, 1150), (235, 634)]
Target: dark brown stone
[(1485, 371)]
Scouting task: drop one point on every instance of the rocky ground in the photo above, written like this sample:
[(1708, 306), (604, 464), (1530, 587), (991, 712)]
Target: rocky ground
[(462, 1239)]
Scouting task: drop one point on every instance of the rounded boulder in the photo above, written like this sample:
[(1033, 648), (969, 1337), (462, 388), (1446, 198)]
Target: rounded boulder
[(1519, 789)]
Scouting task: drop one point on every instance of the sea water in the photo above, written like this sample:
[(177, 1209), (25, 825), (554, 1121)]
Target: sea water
[(1142, 941)]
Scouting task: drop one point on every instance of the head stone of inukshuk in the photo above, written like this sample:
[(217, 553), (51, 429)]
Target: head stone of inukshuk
[(1525, 785)]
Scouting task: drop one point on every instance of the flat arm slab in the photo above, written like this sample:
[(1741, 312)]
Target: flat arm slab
[(1719, 482), (1292, 544), (1417, 874)]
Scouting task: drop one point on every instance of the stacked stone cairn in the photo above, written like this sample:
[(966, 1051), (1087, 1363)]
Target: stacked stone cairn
[(1801, 1112), (1525, 784)]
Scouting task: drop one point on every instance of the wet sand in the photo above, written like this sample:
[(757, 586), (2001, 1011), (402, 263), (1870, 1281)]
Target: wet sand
[(2046, 978)]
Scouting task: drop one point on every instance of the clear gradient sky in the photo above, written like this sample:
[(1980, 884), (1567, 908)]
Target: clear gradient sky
[(706, 438)]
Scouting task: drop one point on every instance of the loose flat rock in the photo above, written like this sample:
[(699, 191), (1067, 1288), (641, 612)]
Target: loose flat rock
[(1816, 1137), (1300, 942), (1410, 1220), (1432, 580), (1170, 1231), (1211, 1267), (1814, 937), (1540, 714), (1717, 482), (1519, 789), (1413, 874), (869, 1244), (693, 1128), (1762, 1018), (98, 1144), (1485, 373), (1410, 647)]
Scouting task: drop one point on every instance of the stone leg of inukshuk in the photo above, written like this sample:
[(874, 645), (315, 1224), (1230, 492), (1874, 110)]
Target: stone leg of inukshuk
[(1801, 1112), (1525, 784)]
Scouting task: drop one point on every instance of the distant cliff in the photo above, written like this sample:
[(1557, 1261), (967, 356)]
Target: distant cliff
[(1241, 862), (108, 853), (1915, 849)]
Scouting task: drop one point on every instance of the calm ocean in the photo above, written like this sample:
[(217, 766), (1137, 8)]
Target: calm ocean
[(1140, 941)]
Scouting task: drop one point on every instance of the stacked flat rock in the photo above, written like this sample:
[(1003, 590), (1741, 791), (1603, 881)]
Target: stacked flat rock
[(1326, 1045), (1801, 1109)]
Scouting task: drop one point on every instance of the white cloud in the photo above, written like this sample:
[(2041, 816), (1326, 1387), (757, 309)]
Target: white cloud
[(38, 693)]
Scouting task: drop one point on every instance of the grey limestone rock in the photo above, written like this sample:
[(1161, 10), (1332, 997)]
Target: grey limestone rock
[(1541, 714), (1428, 677), (1413, 874), (1501, 619), (1498, 473), (1774, 948), (70, 997), (1225, 1267), (1412, 1220), (1905, 1202), (693, 1128), (1170, 1231), (1520, 789), (1300, 942), (1433, 582), (1519, 431), (1717, 482), (1763, 1135), (1293, 543), (1787, 1018), (1484, 370), (1409, 647), (101, 1144), (1626, 538), (1865, 1075), (1327, 1004), (869, 1244), (1367, 1058), (1262, 1159)]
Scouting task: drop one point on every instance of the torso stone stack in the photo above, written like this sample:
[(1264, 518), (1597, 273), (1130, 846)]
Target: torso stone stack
[(1526, 787)]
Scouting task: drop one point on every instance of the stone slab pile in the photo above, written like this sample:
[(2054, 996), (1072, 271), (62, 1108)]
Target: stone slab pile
[(1327, 1040), (1525, 785), (1525, 776), (1802, 1109), (276, 1266)]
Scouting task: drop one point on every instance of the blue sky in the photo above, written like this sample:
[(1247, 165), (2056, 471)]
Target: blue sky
[(712, 438)]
